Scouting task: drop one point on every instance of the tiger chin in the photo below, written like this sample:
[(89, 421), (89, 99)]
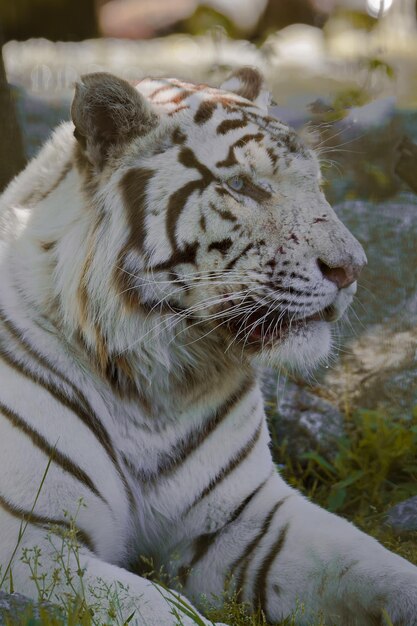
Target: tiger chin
[(159, 246)]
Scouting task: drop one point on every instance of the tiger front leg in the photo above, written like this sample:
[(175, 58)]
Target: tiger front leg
[(287, 555), (59, 569), (334, 570)]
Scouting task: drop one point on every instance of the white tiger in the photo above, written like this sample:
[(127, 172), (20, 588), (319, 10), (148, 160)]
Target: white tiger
[(151, 255)]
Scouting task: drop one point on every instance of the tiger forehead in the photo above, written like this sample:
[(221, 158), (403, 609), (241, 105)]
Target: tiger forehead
[(165, 92), (172, 96), (202, 115)]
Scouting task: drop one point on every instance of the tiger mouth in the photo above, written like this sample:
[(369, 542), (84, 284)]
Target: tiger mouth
[(263, 326)]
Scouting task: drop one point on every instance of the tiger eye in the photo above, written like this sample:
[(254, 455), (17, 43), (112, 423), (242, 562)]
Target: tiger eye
[(236, 183)]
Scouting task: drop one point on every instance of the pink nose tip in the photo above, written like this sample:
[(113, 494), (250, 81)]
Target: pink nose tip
[(342, 276)]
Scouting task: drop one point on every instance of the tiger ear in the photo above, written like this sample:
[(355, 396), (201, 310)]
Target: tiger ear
[(248, 83), (108, 112)]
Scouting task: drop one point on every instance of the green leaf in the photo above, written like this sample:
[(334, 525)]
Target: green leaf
[(336, 499), (350, 479), (315, 456), (185, 608), (387, 618)]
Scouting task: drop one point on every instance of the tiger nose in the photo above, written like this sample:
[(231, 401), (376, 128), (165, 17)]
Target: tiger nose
[(342, 276)]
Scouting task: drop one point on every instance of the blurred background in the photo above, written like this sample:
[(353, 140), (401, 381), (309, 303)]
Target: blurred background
[(342, 72), (325, 60)]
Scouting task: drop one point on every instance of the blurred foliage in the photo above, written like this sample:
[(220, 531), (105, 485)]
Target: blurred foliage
[(378, 64), (275, 15), (345, 18), (280, 14), (343, 101), (375, 466), (375, 70), (238, 613), (206, 19), (358, 161)]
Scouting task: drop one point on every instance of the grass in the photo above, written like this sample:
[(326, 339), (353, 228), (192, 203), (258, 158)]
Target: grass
[(374, 466)]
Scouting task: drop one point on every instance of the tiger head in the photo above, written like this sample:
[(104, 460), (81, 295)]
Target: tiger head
[(211, 223)]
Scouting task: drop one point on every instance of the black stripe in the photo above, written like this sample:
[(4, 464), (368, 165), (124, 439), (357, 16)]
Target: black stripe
[(224, 213), (223, 191), (259, 588), (44, 522), (240, 143), (203, 543), (233, 262), (129, 290), (231, 124), (245, 557), (176, 204), (180, 197), (251, 190), (60, 459), (272, 156), (187, 255), (134, 186), (232, 465), (37, 196), (79, 407), (205, 111), (91, 421), (178, 137), (177, 455), (188, 159), (202, 223), (277, 286), (24, 344), (221, 246)]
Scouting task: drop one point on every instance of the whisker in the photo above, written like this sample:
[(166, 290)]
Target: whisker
[(224, 321), (212, 301)]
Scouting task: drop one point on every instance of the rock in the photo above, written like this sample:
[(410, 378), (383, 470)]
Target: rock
[(378, 372), (298, 416), (12, 606), (378, 366), (406, 165), (17, 609), (403, 516), (388, 232)]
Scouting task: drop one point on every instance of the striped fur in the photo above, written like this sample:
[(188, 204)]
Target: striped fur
[(153, 254)]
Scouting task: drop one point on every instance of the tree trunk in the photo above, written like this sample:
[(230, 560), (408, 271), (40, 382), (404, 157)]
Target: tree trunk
[(12, 158), (57, 20)]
